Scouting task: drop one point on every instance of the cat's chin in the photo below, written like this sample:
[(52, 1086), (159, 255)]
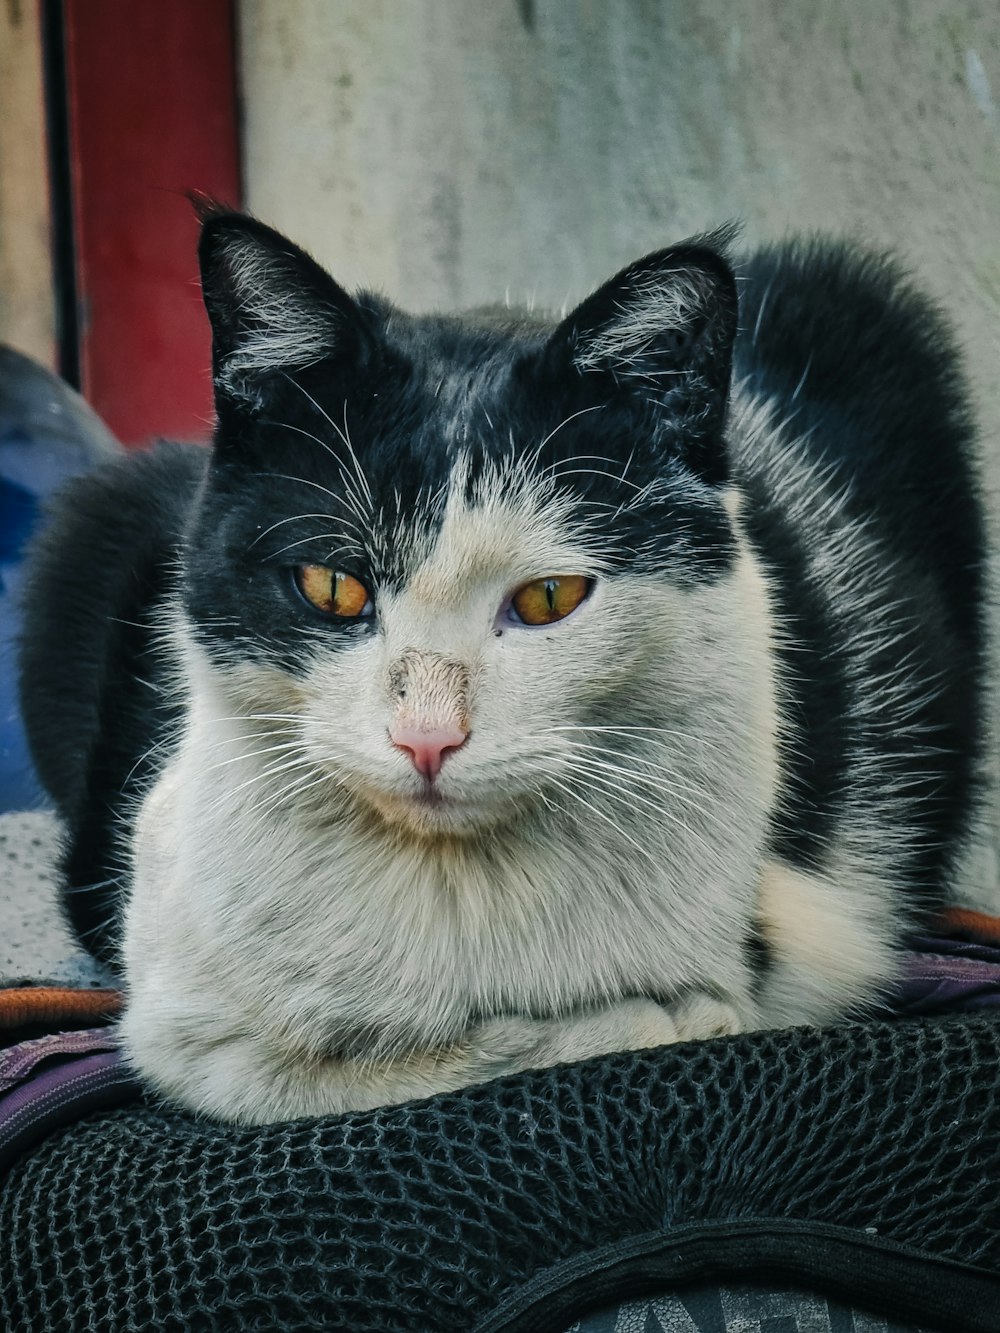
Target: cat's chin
[(432, 815)]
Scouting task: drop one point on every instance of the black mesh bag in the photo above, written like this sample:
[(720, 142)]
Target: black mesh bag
[(863, 1162)]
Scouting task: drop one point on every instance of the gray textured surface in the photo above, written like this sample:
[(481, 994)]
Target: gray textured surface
[(34, 940), (450, 151)]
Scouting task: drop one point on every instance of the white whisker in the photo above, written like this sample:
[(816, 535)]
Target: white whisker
[(357, 497), (344, 435), (599, 813)]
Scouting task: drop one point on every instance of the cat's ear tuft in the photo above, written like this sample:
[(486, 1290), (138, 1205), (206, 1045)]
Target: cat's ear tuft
[(273, 310), (663, 330)]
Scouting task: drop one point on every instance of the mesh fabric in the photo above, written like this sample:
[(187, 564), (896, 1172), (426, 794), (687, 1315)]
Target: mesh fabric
[(466, 1211)]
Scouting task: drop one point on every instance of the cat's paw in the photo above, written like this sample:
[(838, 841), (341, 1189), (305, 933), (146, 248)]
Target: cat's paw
[(635, 1025), (698, 1017)]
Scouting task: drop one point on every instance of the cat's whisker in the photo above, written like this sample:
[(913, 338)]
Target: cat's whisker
[(296, 790), (360, 502), (271, 733), (301, 481), (596, 472), (560, 468), (259, 717), (346, 542), (301, 518), (640, 733), (254, 754), (615, 774), (579, 458), (625, 752), (164, 743), (292, 518), (271, 770), (305, 481), (539, 791), (673, 787), (569, 791), (270, 799), (613, 785), (531, 458), (344, 434)]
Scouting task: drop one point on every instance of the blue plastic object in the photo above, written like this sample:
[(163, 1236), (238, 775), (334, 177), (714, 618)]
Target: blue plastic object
[(47, 434)]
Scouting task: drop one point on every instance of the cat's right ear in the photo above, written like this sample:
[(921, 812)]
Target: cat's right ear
[(661, 333), (273, 310)]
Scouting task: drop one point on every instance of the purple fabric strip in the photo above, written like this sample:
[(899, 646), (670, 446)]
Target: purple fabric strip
[(948, 976), (983, 951), (59, 1096), (18, 1062)]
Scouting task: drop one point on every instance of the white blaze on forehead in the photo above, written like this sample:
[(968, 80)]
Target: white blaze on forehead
[(509, 527)]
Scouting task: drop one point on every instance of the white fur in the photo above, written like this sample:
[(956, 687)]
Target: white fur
[(303, 936), (830, 942)]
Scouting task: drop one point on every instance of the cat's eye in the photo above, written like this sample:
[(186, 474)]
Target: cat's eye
[(332, 592), (544, 601)]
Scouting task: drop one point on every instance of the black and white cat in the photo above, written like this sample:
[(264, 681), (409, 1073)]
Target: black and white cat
[(499, 692)]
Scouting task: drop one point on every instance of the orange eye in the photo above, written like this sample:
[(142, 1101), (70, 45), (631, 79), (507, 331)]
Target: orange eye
[(332, 592), (547, 600)]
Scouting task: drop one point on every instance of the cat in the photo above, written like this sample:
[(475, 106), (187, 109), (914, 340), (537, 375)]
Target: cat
[(501, 691)]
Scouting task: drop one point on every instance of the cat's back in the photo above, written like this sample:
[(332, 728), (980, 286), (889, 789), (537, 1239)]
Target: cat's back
[(853, 443), (864, 377)]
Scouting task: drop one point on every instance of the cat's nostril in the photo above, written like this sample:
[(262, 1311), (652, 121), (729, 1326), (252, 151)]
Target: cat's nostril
[(428, 749)]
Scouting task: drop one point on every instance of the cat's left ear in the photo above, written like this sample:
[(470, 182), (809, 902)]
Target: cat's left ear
[(272, 308), (662, 330)]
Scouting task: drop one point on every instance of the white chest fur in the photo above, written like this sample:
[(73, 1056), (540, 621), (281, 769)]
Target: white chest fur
[(293, 923)]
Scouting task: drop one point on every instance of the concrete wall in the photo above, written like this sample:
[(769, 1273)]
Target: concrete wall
[(450, 151)]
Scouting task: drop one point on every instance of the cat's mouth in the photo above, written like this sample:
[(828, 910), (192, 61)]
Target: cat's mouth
[(429, 811)]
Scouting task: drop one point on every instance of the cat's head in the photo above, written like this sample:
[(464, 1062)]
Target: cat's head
[(467, 565)]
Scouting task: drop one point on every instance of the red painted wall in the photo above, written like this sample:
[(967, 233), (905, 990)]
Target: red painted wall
[(151, 88)]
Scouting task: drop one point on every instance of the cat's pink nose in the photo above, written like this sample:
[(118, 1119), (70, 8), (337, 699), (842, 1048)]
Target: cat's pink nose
[(427, 749)]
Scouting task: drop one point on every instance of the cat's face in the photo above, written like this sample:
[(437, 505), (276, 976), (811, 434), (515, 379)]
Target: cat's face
[(458, 569)]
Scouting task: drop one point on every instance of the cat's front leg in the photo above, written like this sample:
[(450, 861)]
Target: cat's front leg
[(246, 1080), (513, 1045), (510, 1045)]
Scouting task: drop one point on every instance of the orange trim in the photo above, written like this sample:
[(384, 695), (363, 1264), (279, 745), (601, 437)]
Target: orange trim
[(968, 922), (57, 1004)]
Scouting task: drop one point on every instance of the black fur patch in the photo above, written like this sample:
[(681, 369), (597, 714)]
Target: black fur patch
[(93, 694), (864, 371)]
